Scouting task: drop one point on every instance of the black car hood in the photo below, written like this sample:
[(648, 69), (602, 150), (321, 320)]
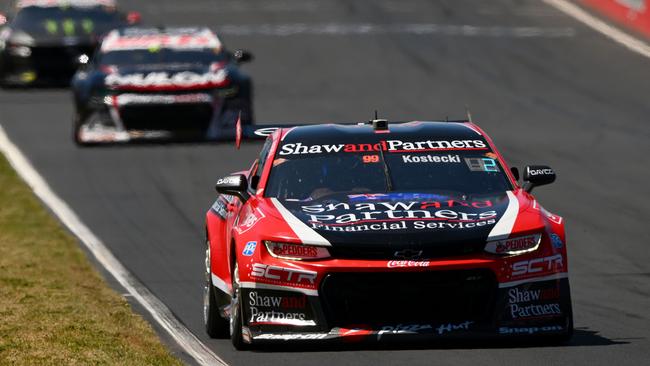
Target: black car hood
[(44, 39), (402, 219)]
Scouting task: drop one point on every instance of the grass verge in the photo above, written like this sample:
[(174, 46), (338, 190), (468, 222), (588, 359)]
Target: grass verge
[(54, 307)]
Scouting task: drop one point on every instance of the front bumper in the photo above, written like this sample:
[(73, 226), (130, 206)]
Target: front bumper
[(42, 65), (132, 117), (379, 301)]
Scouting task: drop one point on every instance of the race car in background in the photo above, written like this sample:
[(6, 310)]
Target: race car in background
[(44, 41), (161, 83), (384, 232)]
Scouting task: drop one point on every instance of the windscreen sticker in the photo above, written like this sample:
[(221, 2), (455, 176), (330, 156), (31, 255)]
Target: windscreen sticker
[(482, 165), (392, 146), (199, 40), (369, 159), (431, 159)]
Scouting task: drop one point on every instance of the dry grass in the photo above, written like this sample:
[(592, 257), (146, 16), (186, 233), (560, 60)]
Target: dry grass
[(54, 307)]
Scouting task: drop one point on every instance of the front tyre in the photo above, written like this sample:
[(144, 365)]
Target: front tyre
[(215, 325), (236, 313)]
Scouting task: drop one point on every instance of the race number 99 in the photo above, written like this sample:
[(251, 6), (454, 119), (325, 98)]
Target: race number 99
[(367, 159)]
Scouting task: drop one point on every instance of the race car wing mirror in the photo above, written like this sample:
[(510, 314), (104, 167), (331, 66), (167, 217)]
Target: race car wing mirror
[(242, 56), (133, 17), (234, 185), (537, 175)]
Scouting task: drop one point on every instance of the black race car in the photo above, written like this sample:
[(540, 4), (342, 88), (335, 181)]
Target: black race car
[(161, 83), (43, 41)]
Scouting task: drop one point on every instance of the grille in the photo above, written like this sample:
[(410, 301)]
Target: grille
[(430, 251), (175, 118), (408, 297)]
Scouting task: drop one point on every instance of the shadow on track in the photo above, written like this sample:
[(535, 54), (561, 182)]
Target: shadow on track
[(582, 337)]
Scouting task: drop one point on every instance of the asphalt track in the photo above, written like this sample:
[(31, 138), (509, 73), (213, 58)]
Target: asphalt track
[(548, 90)]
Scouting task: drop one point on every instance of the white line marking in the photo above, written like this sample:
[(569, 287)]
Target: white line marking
[(340, 29), (555, 276), (220, 284), (503, 227), (617, 35), (308, 235), (158, 310)]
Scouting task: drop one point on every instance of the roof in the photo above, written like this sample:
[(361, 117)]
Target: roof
[(134, 38), (58, 3), (409, 131)]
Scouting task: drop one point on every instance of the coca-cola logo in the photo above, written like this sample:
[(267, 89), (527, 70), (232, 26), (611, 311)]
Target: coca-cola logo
[(403, 264)]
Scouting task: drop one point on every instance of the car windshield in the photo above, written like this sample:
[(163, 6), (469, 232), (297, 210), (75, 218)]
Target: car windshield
[(67, 21), (458, 173), (161, 56)]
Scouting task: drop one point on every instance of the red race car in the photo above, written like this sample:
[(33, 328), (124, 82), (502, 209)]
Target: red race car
[(382, 231)]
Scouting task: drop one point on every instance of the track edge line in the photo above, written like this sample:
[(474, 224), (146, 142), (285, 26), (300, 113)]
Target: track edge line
[(630, 42), (156, 308)]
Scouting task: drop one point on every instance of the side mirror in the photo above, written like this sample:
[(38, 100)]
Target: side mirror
[(242, 56), (133, 17), (234, 185), (537, 175)]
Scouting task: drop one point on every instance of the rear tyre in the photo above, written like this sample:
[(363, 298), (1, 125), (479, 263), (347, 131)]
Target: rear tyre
[(215, 325), (236, 313)]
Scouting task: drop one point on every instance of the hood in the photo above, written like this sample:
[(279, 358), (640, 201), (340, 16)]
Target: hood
[(37, 39), (403, 219), (167, 77)]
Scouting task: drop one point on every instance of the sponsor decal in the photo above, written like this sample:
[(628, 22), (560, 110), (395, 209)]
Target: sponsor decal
[(278, 308), (482, 164), (249, 249), (403, 329), (406, 264), (530, 330), (534, 310), (129, 99), (264, 132), (185, 79), (538, 266), (284, 275), (401, 225), (556, 241), (514, 245), (230, 180), (408, 254), (147, 39), (296, 251), (219, 207), (387, 145), (453, 327), (525, 303), (535, 172), (253, 217), (430, 158), (292, 336)]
